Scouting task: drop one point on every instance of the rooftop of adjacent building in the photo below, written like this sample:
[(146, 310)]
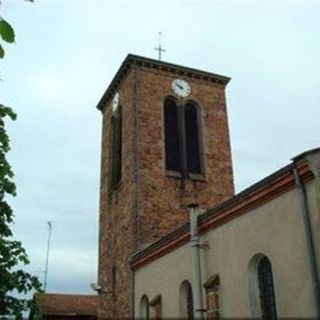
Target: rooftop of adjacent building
[(66, 305)]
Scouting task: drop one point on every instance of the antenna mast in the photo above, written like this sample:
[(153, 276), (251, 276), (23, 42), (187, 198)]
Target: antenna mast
[(47, 256)]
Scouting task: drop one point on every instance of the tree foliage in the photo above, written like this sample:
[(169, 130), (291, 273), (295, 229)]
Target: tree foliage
[(14, 282)]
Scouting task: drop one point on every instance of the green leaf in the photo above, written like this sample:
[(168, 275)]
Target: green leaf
[(1, 52), (7, 111), (6, 31)]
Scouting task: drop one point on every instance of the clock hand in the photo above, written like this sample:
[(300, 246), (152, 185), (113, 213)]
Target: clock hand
[(178, 85)]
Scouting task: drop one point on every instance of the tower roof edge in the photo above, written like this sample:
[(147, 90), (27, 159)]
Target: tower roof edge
[(135, 60)]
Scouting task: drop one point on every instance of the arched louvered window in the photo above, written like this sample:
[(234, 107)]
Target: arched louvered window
[(192, 138), (115, 152), (182, 138), (172, 136), (266, 290)]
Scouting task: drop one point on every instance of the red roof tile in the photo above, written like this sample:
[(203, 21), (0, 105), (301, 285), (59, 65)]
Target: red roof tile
[(66, 304)]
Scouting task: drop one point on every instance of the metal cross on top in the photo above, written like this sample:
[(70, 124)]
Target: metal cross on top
[(159, 48)]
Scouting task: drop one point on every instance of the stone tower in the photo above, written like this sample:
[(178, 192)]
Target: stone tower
[(165, 143)]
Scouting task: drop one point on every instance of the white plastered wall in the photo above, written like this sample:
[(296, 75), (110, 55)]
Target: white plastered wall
[(274, 229)]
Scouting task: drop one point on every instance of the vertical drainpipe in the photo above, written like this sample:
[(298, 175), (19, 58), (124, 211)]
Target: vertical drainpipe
[(309, 238), (196, 261)]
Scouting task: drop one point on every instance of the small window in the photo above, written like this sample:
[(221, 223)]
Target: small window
[(115, 151), (156, 307), (212, 287)]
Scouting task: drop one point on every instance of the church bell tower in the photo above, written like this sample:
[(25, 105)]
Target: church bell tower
[(165, 144)]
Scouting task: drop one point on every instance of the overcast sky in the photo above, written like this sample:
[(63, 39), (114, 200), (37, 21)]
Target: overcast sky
[(66, 54)]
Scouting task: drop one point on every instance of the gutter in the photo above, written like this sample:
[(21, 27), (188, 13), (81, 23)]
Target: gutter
[(309, 237)]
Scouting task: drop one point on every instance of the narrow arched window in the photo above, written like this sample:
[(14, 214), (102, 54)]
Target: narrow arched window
[(144, 308), (186, 300), (261, 288), (115, 152), (190, 303), (182, 138), (172, 136), (192, 138), (266, 290)]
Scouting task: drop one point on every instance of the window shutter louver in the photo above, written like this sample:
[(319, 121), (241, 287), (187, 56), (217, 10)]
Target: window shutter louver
[(172, 146), (192, 139)]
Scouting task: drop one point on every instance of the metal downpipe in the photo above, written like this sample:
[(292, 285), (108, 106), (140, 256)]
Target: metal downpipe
[(309, 239), (196, 260)]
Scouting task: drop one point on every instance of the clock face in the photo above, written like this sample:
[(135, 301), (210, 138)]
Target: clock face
[(115, 102), (181, 88)]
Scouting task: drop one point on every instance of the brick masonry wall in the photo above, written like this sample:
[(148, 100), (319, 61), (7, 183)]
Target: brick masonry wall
[(117, 222), (148, 203), (162, 201)]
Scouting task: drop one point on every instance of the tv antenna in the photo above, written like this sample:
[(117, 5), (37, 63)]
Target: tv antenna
[(47, 256), (159, 48)]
